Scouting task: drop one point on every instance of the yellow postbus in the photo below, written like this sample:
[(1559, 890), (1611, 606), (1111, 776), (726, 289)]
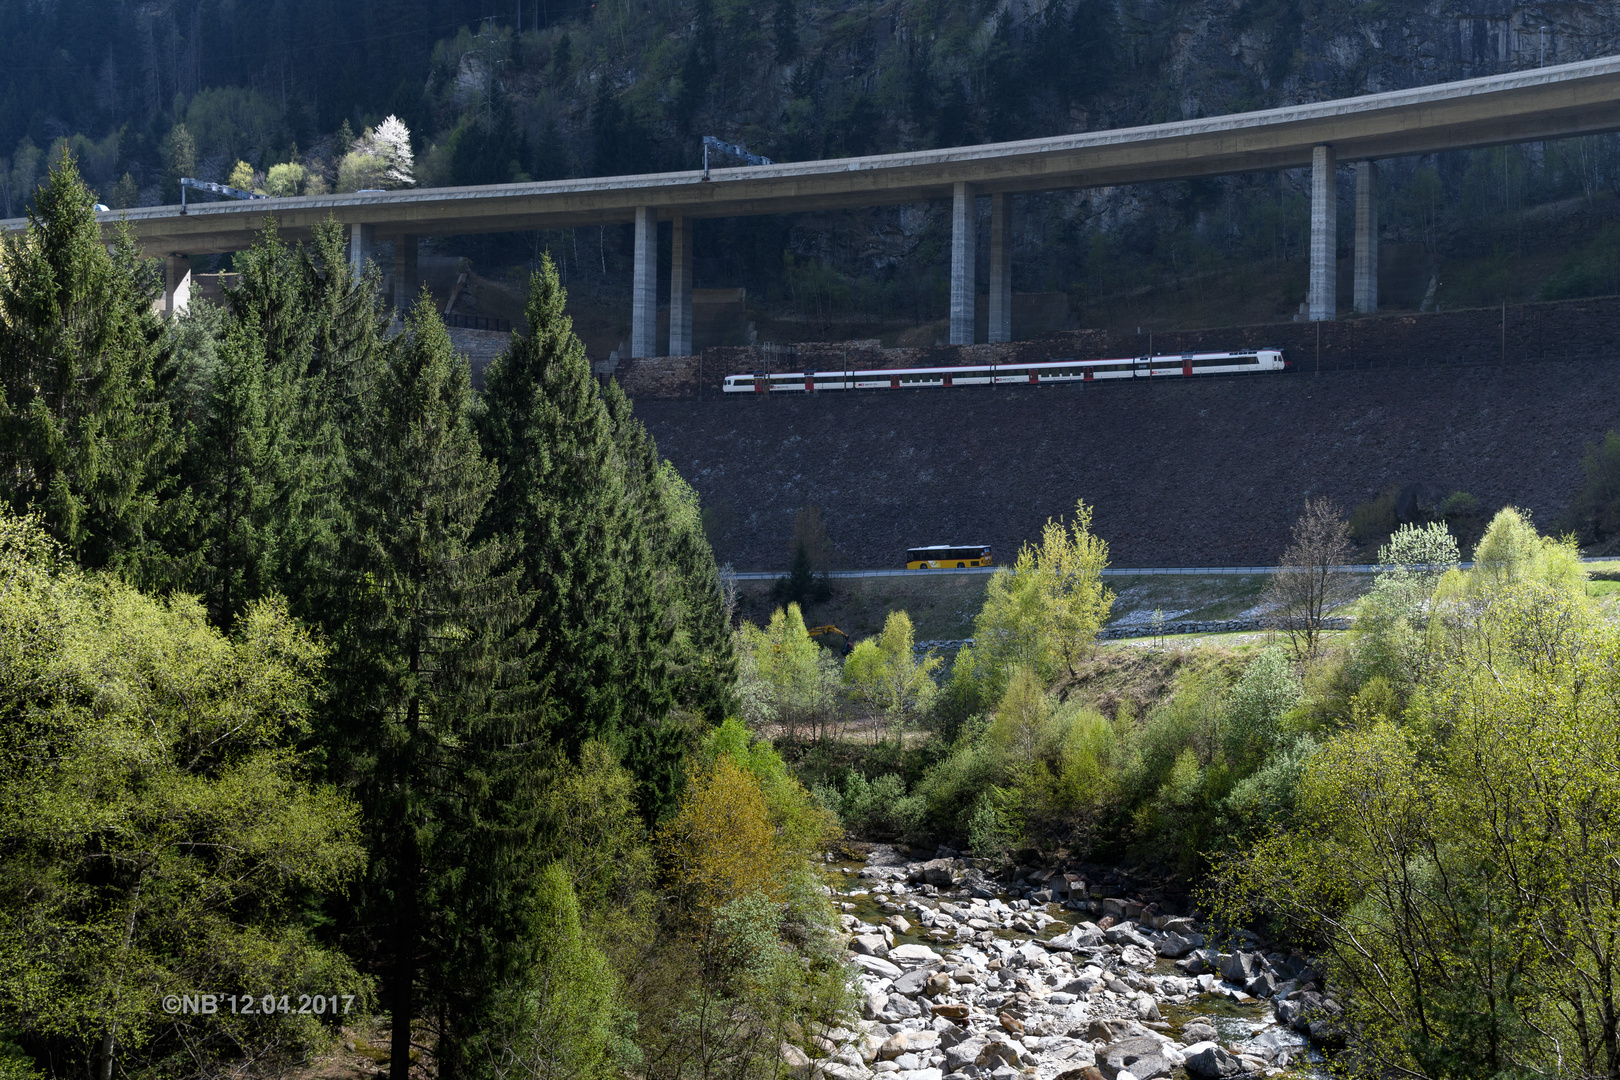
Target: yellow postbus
[(948, 557)]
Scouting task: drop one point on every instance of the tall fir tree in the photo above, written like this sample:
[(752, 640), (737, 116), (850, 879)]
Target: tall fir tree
[(684, 569), (237, 464), (323, 328), (85, 425), (569, 497), (436, 725)]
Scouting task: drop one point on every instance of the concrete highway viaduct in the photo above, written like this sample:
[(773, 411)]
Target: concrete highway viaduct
[(1581, 98)]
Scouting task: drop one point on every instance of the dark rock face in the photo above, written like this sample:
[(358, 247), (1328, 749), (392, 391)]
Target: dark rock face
[(1180, 473)]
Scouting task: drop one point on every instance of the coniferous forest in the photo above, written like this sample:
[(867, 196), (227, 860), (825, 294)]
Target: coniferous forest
[(329, 677)]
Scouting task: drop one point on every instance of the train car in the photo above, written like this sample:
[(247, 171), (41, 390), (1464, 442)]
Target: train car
[(1249, 362), (948, 557)]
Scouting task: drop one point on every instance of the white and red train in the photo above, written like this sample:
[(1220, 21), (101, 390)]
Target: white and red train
[(1249, 362)]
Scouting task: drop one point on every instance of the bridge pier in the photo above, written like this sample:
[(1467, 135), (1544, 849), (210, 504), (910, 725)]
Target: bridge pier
[(680, 287), (1366, 298), (405, 274), (644, 287), (964, 257), (1000, 268), (362, 247), (1324, 234), (176, 296)]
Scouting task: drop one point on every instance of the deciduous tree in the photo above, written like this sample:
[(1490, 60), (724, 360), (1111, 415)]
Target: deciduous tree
[(157, 827), (1311, 580)]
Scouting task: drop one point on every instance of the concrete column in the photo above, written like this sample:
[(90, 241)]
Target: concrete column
[(680, 287), (176, 296), (1000, 269), (1324, 234), (964, 235), (644, 286), (1366, 236), (406, 283), (362, 246)]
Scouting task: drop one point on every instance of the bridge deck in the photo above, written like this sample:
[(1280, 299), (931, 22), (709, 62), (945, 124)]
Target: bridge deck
[(1556, 102)]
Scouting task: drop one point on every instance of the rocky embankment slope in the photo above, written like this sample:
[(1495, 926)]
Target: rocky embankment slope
[(1181, 473), (1055, 979)]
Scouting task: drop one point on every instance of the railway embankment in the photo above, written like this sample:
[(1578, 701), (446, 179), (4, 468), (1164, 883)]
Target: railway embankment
[(1511, 333), (1181, 472)]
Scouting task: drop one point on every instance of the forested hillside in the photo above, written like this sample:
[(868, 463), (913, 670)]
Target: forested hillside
[(552, 89)]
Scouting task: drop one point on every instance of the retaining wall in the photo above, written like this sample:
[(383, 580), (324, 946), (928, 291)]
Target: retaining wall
[(1561, 330)]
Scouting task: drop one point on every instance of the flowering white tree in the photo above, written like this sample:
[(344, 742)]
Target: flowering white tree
[(380, 158), (392, 141)]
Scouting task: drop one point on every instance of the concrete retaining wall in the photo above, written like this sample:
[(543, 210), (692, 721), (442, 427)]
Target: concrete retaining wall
[(1528, 333)]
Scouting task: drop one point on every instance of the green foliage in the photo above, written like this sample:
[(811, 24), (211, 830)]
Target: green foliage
[(232, 122), (1511, 551), (989, 835), (880, 809), (321, 327), (158, 826), (785, 679), (285, 180), (1255, 708), (802, 824), (241, 177), (85, 429), (238, 465), (1594, 512), (1045, 612), (589, 824), (884, 672), (563, 1018), (436, 728), (179, 160), (1447, 857), (758, 955), (579, 485), (1392, 620), (287, 447), (800, 585)]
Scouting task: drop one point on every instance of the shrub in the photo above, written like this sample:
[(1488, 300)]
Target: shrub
[(1374, 519), (1045, 612), (564, 1019), (1255, 708), (989, 836), (879, 809), (885, 673), (785, 678)]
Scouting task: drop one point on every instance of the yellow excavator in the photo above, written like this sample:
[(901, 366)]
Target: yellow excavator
[(819, 631)]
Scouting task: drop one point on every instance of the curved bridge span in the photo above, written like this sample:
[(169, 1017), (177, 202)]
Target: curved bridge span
[(1573, 99)]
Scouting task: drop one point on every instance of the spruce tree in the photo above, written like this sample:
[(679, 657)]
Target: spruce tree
[(85, 428), (434, 723), (323, 329), (237, 467), (682, 582), (562, 496)]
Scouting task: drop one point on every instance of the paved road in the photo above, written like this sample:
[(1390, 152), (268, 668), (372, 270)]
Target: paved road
[(1198, 571), (1116, 572)]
